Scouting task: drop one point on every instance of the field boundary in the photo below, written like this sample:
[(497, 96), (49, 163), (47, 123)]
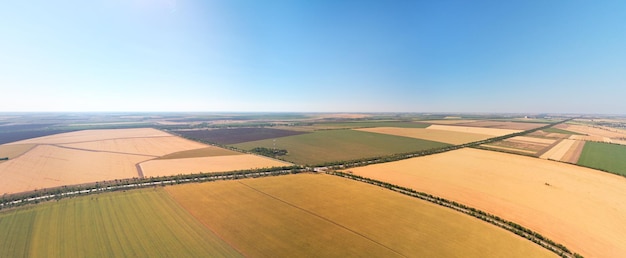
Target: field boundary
[(519, 230)]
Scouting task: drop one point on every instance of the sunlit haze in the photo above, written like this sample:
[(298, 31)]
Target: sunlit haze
[(313, 56)]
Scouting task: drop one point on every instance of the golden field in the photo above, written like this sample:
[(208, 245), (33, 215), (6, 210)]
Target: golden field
[(168, 167), (476, 130), (445, 136), (97, 155), (309, 215), (579, 207)]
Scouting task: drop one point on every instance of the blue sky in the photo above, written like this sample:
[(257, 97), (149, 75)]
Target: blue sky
[(313, 56)]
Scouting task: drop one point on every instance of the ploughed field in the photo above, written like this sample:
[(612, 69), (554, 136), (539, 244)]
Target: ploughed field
[(578, 207), (91, 156)]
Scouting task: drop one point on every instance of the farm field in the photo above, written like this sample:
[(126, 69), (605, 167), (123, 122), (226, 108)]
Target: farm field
[(352, 125), (450, 137), (168, 167), (522, 144), (337, 145), (593, 131), (210, 151), (502, 124), (310, 215), (90, 156), (95, 135), (561, 150), (579, 207), (236, 135), (137, 223), (13, 151), (49, 166), (477, 130), (605, 156), (561, 131)]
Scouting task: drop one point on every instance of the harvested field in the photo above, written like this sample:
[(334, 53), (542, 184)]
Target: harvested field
[(11, 137), (168, 167), (543, 134), (89, 156), (15, 150), (605, 156), (236, 135), (138, 223), (310, 215), (476, 130), (579, 207), (572, 155), (559, 131), (337, 145), (48, 166), (152, 146), (95, 135), (503, 125), (210, 151), (429, 134), (590, 138), (532, 139), (594, 131), (508, 149), (558, 151)]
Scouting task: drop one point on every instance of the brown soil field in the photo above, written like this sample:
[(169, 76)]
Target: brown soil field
[(593, 131), (581, 208), (501, 147), (558, 151), (316, 215), (153, 146), (532, 139), (542, 134), (210, 151), (574, 152), (95, 135), (503, 125), (12, 151), (476, 130), (444, 136), (49, 166), (167, 167)]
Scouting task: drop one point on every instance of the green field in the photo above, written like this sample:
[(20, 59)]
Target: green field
[(138, 223), (605, 156), (309, 215), (337, 145), (557, 130)]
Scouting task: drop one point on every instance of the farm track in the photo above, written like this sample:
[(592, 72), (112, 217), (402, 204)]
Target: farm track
[(323, 218)]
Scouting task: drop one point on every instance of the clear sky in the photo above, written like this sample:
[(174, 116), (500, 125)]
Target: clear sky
[(317, 55)]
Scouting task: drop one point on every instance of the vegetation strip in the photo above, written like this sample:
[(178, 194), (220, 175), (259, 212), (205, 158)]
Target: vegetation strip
[(495, 220)]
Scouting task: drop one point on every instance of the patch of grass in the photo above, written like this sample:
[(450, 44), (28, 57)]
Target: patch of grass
[(337, 145), (557, 130), (139, 223), (312, 215), (604, 156)]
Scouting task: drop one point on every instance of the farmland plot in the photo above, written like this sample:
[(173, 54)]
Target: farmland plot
[(477, 130), (609, 157), (444, 136), (503, 125), (167, 167), (138, 223), (579, 207), (95, 135), (325, 216), (337, 145)]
